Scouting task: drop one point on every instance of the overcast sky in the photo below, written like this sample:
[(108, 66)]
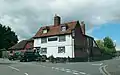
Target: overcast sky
[(25, 17)]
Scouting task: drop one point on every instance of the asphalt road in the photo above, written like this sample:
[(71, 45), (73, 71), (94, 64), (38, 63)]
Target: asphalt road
[(34, 68)]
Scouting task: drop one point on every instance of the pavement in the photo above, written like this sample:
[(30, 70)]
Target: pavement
[(107, 67)]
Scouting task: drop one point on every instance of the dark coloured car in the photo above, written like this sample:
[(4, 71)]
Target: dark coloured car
[(30, 56), (14, 56)]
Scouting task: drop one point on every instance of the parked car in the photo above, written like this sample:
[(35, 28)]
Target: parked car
[(30, 56), (43, 58), (14, 56)]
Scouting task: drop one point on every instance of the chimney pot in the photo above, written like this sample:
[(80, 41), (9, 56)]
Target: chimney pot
[(83, 27)]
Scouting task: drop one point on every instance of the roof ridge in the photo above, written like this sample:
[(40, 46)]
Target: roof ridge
[(55, 30), (60, 24)]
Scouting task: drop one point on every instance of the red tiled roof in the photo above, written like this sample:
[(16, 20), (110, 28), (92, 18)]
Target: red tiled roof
[(21, 45), (55, 30)]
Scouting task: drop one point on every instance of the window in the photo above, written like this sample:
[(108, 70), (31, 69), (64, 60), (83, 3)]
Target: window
[(63, 28), (43, 40), (45, 31), (62, 38), (91, 42), (43, 50), (37, 49), (88, 42), (52, 39), (61, 49)]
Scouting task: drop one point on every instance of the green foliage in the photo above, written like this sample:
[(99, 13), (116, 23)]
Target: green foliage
[(8, 38), (106, 45), (100, 43), (108, 42)]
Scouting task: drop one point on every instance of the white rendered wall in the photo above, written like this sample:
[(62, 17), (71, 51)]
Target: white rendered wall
[(52, 47)]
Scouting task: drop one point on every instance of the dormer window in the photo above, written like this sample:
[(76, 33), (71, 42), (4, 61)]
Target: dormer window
[(45, 31), (73, 33), (63, 28)]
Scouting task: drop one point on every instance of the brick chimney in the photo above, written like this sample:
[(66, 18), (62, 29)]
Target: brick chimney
[(83, 27), (57, 20)]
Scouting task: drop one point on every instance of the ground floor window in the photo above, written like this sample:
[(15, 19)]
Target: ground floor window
[(44, 50), (61, 49)]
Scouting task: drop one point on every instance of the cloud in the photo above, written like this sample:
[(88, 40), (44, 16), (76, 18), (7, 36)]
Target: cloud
[(25, 17), (118, 48)]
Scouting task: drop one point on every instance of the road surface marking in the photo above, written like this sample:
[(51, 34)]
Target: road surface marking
[(25, 73), (98, 64), (68, 71), (62, 69), (43, 66), (57, 68), (14, 68), (53, 67), (103, 70), (106, 70), (82, 72), (75, 73)]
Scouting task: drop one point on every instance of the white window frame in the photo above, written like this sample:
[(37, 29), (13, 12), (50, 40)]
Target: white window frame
[(42, 39), (62, 39), (63, 28), (45, 31), (61, 48), (51, 38), (41, 51)]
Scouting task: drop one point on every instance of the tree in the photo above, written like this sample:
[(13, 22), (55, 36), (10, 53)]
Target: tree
[(109, 45), (106, 45), (108, 42), (8, 37), (100, 44)]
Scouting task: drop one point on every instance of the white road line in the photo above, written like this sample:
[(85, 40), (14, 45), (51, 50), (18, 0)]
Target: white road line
[(98, 64), (13, 68), (25, 73), (53, 67), (88, 74), (57, 68), (40, 65), (103, 68), (75, 73), (62, 69), (68, 71), (82, 72), (106, 70), (101, 71), (43, 66)]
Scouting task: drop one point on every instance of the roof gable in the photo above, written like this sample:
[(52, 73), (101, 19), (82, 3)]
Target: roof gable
[(19, 45), (22, 44)]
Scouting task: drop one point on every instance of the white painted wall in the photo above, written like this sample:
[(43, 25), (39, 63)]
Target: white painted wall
[(52, 47)]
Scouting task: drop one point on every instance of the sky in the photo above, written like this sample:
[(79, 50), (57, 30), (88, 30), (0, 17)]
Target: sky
[(25, 17)]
